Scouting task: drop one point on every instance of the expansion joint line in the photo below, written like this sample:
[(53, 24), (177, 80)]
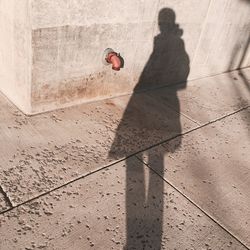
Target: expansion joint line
[(194, 204), (11, 206)]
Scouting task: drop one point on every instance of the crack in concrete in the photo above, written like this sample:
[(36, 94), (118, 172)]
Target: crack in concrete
[(6, 198)]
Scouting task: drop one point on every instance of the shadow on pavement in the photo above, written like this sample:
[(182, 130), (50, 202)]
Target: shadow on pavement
[(167, 65)]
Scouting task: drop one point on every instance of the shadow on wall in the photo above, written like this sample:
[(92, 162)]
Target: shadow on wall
[(238, 56), (167, 65)]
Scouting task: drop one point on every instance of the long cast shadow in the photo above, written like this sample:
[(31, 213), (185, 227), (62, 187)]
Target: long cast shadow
[(167, 65)]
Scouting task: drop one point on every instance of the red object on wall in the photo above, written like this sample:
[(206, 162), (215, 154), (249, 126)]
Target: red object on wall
[(114, 59)]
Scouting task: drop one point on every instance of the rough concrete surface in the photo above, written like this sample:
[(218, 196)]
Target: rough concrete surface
[(45, 151), (56, 191), (211, 166), (42, 152), (90, 214), (210, 98)]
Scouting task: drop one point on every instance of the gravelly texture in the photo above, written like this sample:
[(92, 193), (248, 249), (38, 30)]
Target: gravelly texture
[(211, 166), (91, 214), (42, 152)]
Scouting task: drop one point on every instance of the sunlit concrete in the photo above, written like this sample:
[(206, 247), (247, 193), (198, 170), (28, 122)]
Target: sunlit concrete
[(211, 166), (91, 213), (56, 191)]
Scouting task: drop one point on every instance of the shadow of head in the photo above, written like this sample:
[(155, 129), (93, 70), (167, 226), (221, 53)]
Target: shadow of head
[(167, 21), (168, 63)]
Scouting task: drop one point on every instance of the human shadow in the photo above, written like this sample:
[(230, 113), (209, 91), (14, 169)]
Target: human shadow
[(167, 65)]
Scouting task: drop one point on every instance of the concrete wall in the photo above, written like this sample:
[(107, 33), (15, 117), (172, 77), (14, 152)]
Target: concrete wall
[(224, 41), (15, 52), (69, 37)]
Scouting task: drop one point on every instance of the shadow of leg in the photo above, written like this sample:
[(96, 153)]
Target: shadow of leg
[(135, 197), (144, 207), (155, 204)]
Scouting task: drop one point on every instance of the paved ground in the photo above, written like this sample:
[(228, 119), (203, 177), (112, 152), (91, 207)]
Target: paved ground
[(161, 169)]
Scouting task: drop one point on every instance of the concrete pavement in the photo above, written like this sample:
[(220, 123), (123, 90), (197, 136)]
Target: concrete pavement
[(158, 169)]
